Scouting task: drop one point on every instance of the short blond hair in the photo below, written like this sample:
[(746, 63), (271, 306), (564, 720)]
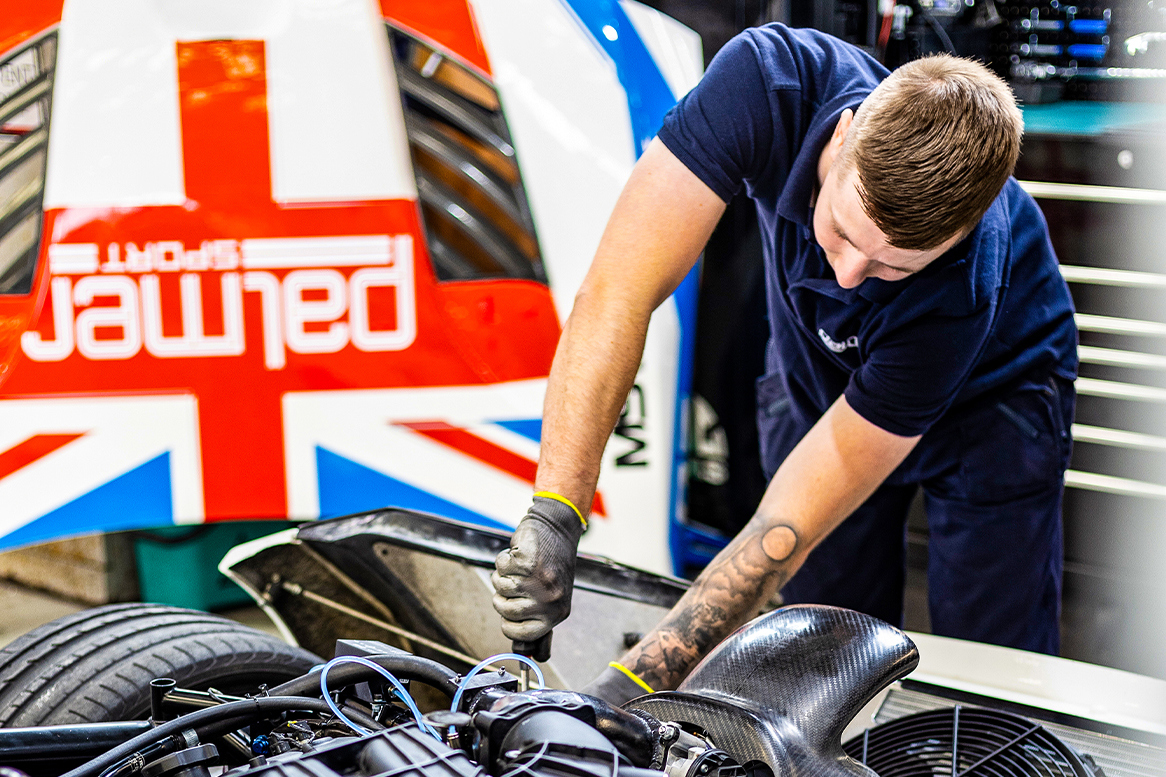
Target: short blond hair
[(933, 145)]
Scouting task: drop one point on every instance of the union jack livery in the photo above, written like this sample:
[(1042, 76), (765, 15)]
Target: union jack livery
[(300, 259)]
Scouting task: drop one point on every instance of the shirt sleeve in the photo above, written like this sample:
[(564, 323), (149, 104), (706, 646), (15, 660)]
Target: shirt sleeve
[(723, 129), (913, 374)]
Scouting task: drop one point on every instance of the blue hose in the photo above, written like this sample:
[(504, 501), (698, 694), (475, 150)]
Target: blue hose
[(398, 687), (461, 688)]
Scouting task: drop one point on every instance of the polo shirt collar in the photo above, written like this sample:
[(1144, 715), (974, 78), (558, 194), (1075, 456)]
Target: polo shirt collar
[(802, 182)]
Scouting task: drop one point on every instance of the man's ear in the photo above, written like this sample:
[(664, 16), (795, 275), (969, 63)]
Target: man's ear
[(834, 145), (840, 129)]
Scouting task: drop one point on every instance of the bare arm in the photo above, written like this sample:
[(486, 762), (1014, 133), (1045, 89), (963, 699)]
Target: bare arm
[(660, 224), (837, 465)]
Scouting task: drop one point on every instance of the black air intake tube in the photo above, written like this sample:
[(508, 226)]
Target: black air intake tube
[(636, 738)]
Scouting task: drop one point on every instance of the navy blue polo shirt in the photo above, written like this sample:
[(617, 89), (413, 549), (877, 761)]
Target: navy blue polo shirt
[(990, 311)]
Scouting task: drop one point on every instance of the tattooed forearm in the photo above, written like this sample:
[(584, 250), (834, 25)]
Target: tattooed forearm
[(755, 564)]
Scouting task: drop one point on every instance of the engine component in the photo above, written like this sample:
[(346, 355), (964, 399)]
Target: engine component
[(553, 741), (59, 747), (407, 751), (693, 756), (404, 752), (495, 724), (638, 738), (191, 762), (806, 668), (159, 687), (769, 701)]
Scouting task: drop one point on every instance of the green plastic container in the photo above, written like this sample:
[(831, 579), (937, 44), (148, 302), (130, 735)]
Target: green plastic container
[(179, 565)]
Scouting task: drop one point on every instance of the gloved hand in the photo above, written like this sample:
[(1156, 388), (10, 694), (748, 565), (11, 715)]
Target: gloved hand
[(534, 577), (615, 686)]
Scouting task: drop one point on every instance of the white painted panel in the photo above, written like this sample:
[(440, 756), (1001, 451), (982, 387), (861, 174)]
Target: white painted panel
[(568, 115), (73, 258), (337, 131), (676, 49), (193, 20), (636, 532), (119, 434), (334, 110), (569, 119), (1044, 682), (114, 138), (340, 251)]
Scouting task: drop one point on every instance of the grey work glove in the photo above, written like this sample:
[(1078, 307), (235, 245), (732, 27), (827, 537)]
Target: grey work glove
[(614, 687), (534, 577)]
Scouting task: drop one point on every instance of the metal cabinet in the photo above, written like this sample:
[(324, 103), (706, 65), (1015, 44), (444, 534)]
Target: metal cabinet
[(1098, 171)]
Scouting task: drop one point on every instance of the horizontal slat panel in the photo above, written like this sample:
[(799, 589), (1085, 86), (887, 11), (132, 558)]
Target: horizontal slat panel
[(1088, 322), (1118, 358), (1119, 438), (1087, 193), (1091, 481), (1116, 390), (1103, 276)]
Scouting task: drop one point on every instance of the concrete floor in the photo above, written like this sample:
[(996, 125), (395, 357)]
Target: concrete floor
[(23, 609)]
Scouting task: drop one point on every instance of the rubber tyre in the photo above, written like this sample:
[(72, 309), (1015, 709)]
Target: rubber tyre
[(97, 665)]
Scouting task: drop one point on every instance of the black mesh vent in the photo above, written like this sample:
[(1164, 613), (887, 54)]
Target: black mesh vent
[(967, 742), (477, 221), (26, 89)]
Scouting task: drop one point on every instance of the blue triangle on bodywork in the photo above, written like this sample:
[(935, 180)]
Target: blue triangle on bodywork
[(138, 499), (530, 428), (347, 487)]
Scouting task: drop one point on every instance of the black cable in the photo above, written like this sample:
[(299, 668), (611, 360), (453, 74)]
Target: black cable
[(405, 667), (293, 695), (124, 767), (251, 708), (937, 28), (220, 727)]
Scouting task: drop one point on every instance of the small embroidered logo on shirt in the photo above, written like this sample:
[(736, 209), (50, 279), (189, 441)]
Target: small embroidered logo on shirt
[(834, 345)]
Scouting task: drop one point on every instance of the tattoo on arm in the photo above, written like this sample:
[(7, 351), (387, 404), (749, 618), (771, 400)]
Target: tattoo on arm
[(754, 565)]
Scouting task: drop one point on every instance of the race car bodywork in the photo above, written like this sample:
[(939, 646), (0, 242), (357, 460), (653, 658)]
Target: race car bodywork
[(298, 259)]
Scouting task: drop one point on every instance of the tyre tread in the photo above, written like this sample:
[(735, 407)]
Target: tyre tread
[(96, 665)]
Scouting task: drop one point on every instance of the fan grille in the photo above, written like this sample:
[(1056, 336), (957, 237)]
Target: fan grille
[(965, 742)]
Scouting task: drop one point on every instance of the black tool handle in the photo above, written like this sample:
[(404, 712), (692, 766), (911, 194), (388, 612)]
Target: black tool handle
[(539, 650)]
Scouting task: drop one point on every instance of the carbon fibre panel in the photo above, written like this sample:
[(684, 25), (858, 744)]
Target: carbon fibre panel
[(782, 688)]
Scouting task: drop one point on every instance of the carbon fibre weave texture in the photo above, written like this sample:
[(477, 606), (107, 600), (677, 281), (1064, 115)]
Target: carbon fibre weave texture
[(782, 688)]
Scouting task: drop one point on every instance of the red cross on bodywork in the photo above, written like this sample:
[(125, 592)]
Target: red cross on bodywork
[(466, 333)]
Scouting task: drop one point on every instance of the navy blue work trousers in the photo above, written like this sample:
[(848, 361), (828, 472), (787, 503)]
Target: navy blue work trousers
[(992, 480)]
